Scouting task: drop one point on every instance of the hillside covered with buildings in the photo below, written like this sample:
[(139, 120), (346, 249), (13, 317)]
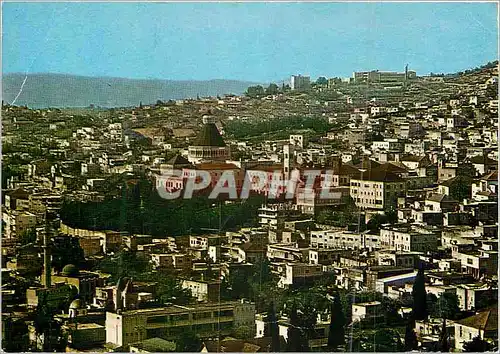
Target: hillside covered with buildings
[(388, 240)]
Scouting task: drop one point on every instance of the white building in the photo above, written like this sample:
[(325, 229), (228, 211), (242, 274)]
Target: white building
[(169, 322), (366, 310), (405, 239), (483, 325), (300, 83), (341, 239)]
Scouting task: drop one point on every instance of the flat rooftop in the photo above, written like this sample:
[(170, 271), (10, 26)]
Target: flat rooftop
[(175, 309)]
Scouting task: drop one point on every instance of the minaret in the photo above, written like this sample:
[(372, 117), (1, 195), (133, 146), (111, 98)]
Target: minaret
[(405, 84)]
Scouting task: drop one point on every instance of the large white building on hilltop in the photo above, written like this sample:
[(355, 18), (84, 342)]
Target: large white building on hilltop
[(383, 77)]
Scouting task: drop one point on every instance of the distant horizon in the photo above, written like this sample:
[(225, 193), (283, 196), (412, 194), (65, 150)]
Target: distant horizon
[(245, 41), (231, 79), (120, 77)]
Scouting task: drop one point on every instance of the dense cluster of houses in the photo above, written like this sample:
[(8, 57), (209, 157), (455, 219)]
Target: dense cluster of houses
[(432, 165)]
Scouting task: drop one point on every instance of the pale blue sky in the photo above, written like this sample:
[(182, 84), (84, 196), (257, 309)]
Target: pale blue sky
[(245, 41)]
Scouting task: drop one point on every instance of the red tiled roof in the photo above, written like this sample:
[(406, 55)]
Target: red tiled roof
[(485, 320), (216, 166)]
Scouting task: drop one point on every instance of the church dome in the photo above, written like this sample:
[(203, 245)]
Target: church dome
[(70, 270), (209, 136)]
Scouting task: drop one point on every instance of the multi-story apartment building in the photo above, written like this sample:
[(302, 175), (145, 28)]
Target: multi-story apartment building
[(309, 200), (203, 290), (17, 222), (17, 200), (377, 189), (388, 144), (383, 77), (321, 329), (171, 260), (397, 258), (300, 83), (474, 296), (325, 256), (341, 239), (405, 239), (300, 274), (478, 262), (204, 242), (273, 218), (207, 320), (286, 253)]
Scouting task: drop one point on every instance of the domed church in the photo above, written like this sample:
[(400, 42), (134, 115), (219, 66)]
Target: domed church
[(209, 145)]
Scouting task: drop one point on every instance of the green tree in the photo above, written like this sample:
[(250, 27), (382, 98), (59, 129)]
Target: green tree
[(377, 220), (336, 334), (446, 306), (462, 189), (67, 250), (238, 283), (168, 285), (188, 341), (45, 325), (255, 91), (477, 345), (322, 80), (390, 310), (242, 332), (169, 289), (382, 340), (28, 236), (126, 264), (272, 89), (419, 309), (387, 340), (15, 335)]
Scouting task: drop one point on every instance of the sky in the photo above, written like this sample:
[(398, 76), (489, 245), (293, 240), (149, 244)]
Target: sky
[(257, 42)]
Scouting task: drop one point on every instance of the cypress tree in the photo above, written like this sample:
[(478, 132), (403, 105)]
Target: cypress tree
[(410, 336), (295, 334), (444, 345), (272, 329), (419, 309), (336, 335)]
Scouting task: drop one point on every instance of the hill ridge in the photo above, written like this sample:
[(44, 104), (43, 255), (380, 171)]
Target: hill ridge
[(59, 90)]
